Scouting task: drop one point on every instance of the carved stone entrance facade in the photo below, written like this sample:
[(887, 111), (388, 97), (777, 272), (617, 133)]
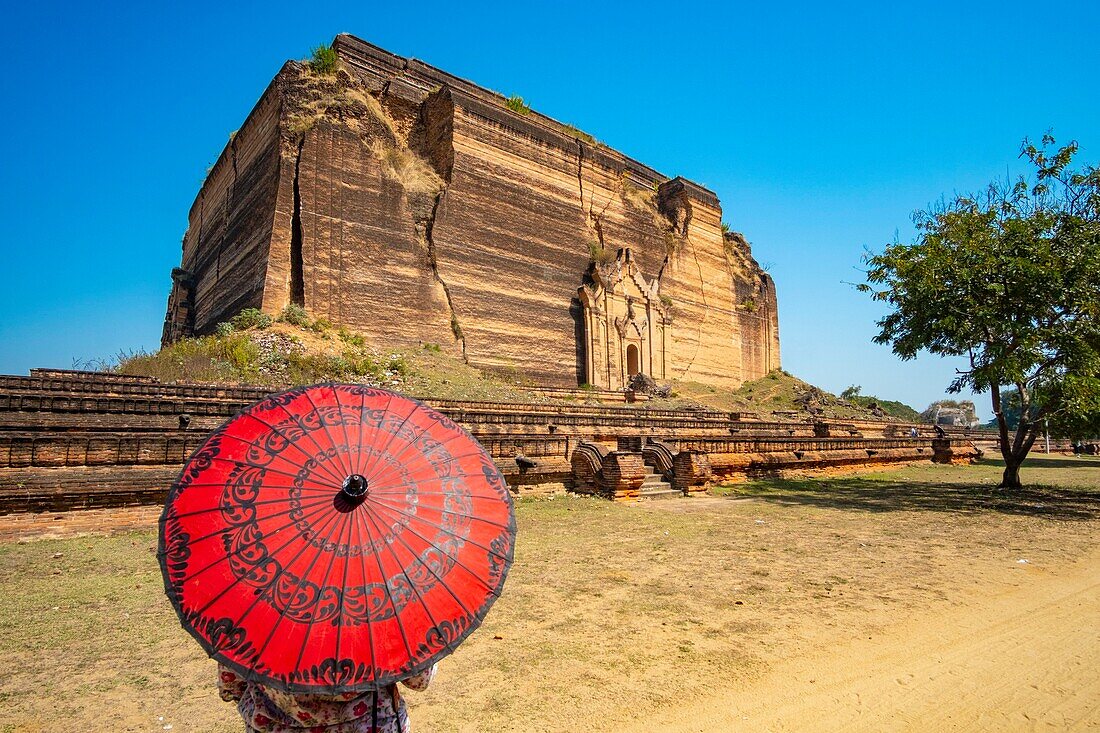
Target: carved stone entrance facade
[(625, 324)]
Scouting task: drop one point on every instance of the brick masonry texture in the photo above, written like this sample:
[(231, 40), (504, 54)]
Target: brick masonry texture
[(416, 207), (88, 441)]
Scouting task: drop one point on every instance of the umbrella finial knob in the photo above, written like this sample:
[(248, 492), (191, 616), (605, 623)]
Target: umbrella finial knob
[(355, 486)]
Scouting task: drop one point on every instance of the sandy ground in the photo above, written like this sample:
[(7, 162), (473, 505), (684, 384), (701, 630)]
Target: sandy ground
[(873, 602), (1027, 659)]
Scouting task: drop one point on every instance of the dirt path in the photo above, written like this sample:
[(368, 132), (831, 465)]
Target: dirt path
[(1025, 660)]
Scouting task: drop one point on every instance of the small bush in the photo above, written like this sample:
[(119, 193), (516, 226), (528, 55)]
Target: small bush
[(517, 105), (321, 325), (251, 318), (600, 254), (749, 305), (324, 60), (351, 339), (665, 300), (726, 228), (432, 348), (295, 315), (223, 329)]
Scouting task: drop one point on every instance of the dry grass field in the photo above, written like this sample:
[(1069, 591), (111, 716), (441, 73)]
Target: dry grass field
[(614, 615)]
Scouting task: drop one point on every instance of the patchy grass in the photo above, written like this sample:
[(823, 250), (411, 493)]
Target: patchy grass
[(298, 350), (319, 95), (777, 391), (414, 173), (1065, 487), (578, 133), (277, 355), (610, 612)]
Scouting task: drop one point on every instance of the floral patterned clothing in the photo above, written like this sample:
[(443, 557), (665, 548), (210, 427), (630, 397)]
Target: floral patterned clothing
[(271, 711)]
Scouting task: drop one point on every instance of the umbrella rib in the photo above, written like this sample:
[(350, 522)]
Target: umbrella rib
[(443, 443), (451, 459), (344, 425), (363, 409), (313, 615), (286, 567), (448, 511), (321, 422), (309, 433), (282, 435), (318, 506), (393, 436), (415, 590), (363, 567), (459, 564), (343, 588), (265, 502), (398, 495), (437, 577), (386, 586), (252, 445), (238, 462), (440, 527)]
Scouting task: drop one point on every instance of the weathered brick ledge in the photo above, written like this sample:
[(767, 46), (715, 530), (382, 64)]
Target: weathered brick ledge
[(87, 440)]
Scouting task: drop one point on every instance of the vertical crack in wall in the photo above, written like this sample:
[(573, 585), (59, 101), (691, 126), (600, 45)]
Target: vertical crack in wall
[(433, 139), (580, 171), (592, 220), (297, 282), (456, 327)]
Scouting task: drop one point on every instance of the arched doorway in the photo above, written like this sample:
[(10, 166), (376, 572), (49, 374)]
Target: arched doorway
[(632, 360)]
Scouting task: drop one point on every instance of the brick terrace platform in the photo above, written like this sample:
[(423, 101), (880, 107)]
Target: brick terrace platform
[(25, 526), (86, 440)]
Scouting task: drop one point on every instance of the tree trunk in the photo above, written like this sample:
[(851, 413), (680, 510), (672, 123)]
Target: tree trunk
[(1011, 478)]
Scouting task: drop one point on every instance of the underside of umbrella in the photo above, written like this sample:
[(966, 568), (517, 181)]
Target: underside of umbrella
[(335, 538)]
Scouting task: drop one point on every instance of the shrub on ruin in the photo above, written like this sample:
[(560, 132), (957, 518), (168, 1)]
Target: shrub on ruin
[(324, 60), (251, 318), (295, 315), (517, 105), (600, 254), (351, 339), (223, 329)]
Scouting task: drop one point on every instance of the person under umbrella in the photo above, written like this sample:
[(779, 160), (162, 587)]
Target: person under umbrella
[(329, 542), (272, 711)]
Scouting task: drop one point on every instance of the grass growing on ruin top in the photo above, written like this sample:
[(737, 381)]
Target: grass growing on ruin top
[(295, 349), (779, 391)]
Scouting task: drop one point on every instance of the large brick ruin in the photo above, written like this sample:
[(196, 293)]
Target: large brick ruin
[(416, 207)]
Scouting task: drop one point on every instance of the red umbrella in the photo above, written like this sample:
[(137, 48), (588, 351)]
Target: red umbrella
[(335, 538)]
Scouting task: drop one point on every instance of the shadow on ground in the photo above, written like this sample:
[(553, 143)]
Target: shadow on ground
[(879, 494)]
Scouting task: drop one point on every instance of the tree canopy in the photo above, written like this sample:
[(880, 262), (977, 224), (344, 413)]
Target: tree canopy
[(1010, 278)]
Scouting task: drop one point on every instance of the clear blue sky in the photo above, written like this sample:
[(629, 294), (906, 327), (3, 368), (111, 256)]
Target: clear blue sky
[(820, 127)]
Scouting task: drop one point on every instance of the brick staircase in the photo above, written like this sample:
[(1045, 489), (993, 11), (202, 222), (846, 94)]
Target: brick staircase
[(655, 487)]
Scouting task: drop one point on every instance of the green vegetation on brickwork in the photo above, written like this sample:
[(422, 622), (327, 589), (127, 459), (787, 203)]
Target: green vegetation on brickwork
[(517, 105), (323, 60)]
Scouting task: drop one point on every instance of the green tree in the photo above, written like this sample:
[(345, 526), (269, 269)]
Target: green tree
[(1009, 278)]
